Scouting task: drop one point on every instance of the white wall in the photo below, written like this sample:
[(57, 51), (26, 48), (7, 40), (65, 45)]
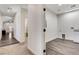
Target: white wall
[(26, 20), (52, 30), (35, 29), (19, 25), (66, 21), (61, 24), (0, 26), (23, 23)]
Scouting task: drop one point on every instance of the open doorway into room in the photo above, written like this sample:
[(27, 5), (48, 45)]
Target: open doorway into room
[(62, 35)]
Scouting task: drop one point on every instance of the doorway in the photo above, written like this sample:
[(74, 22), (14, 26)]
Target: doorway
[(7, 32)]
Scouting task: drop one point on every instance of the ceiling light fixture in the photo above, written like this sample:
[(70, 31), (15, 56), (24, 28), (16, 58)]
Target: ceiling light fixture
[(59, 4)]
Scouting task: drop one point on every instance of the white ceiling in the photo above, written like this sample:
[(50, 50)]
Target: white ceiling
[(52, 7), (4, 9), (58, 9)]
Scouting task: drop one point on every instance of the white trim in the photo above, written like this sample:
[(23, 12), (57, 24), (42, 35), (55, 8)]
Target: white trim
[(31, 51)]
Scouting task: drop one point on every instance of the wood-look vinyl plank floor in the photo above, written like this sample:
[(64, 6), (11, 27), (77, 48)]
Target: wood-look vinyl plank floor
[(13, 47), (62, 47), (5, 41)]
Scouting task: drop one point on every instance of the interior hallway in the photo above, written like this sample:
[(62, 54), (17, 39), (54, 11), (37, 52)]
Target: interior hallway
[(62, 47)]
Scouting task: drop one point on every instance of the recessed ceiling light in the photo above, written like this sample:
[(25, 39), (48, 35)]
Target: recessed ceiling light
[(59, 4)]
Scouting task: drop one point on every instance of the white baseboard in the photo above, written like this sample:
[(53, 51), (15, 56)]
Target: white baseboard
[(60, 38), (76, 41), (50, 40), (19, 40), (30, 51)]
